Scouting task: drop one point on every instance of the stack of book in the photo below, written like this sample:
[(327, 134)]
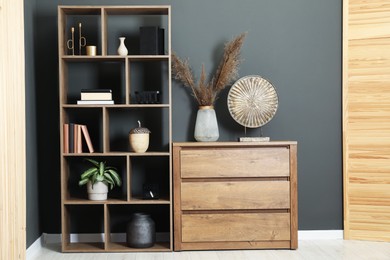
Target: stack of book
[(73, 138), (95, 96)]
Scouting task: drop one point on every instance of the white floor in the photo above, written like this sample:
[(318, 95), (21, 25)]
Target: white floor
[(307, 249)]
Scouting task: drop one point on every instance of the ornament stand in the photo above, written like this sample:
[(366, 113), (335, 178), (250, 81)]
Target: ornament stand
[(260, 138)]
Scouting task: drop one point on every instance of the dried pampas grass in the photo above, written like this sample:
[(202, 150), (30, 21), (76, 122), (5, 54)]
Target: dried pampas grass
[(205, 93)]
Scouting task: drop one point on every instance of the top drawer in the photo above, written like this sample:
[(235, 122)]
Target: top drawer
[(230, 162)]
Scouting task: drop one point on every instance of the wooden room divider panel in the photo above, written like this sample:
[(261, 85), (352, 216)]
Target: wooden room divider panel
[(366, 119), (12, 132)]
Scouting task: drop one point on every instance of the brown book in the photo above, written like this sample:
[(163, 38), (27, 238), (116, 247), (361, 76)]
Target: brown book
[(79, 140), (66, 138), (87, 138)]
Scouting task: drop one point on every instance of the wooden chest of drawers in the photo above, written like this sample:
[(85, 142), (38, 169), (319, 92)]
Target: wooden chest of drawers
[(231, 195)]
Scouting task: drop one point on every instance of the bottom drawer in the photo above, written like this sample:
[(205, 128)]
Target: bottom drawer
[(235, 227)]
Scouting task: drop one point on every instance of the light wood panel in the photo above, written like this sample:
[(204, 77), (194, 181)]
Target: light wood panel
[(366, 117), (12, 132), (235, 195), (235, 227), (227, 162)]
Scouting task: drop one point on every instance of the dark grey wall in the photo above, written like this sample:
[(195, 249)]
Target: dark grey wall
[(32, 188), (294, 44)]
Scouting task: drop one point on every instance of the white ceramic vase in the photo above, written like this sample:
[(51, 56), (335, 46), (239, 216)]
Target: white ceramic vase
[(122, 50), (206, 125), (98, 191)]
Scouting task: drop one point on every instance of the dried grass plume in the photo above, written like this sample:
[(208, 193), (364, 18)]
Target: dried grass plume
[(205, 93)]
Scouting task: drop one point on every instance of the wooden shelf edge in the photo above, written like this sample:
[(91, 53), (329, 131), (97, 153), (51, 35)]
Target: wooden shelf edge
[(123, 154), (118, 58), (122, 247), (116, 106), (113, 247), (132, 201)]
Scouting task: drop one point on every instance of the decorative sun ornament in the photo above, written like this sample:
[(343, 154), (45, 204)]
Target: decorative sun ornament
[(252, 101)]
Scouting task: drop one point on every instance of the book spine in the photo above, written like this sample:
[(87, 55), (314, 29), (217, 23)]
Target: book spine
[(96, 96), (79, 140), (96, 90), (75, 137), (71, 138), (66, 138), (87, 138), (95, 102)]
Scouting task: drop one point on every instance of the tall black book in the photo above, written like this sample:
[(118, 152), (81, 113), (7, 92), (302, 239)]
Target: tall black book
[(151, 40), (71, 138)]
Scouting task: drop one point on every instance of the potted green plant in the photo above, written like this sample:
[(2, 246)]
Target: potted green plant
[(97, 178)]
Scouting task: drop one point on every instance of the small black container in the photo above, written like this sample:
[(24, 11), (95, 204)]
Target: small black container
[(141, 232)]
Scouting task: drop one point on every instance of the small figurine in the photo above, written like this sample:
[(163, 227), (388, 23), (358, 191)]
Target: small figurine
[(139, 139)]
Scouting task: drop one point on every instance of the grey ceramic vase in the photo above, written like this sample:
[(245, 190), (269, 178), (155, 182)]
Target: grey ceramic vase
[(141, 231), (206, 125)]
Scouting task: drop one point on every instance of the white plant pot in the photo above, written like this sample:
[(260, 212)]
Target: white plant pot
[(98, 191)]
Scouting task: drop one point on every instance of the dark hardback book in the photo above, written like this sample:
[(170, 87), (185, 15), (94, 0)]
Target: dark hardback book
[(71, 138), (151, 40), (96, 90)]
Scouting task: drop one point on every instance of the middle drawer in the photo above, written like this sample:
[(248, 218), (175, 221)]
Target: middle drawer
[(218, 195)]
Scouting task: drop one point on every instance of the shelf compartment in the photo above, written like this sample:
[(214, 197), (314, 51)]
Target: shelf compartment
[(127, 25), (88, 74), (152, 75), (120, 215), (90, 30), (149, 171), (154, 118), (78, 195), (92, 118), (82, 225)]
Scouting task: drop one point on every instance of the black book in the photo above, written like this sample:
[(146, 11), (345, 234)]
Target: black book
[(71, 138), (151, 40), (96, 90)]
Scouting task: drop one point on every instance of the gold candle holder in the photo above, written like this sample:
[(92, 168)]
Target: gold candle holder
[(82, 40), (70, 42), (91, 50)]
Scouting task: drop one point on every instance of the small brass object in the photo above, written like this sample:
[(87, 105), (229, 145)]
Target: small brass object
[(70, 42), (82, 40), (91, 50)]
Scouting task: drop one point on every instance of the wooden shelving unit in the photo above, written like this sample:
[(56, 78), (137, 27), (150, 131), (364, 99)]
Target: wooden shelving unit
[(109, 125)]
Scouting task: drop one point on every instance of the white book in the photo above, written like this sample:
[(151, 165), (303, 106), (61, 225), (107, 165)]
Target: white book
[(95, 102), (96, 96)]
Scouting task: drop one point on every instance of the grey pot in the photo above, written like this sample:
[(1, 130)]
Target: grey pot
[(141, 232)]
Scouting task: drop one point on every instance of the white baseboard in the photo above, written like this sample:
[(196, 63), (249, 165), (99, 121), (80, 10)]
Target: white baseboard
[(320, 234)]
